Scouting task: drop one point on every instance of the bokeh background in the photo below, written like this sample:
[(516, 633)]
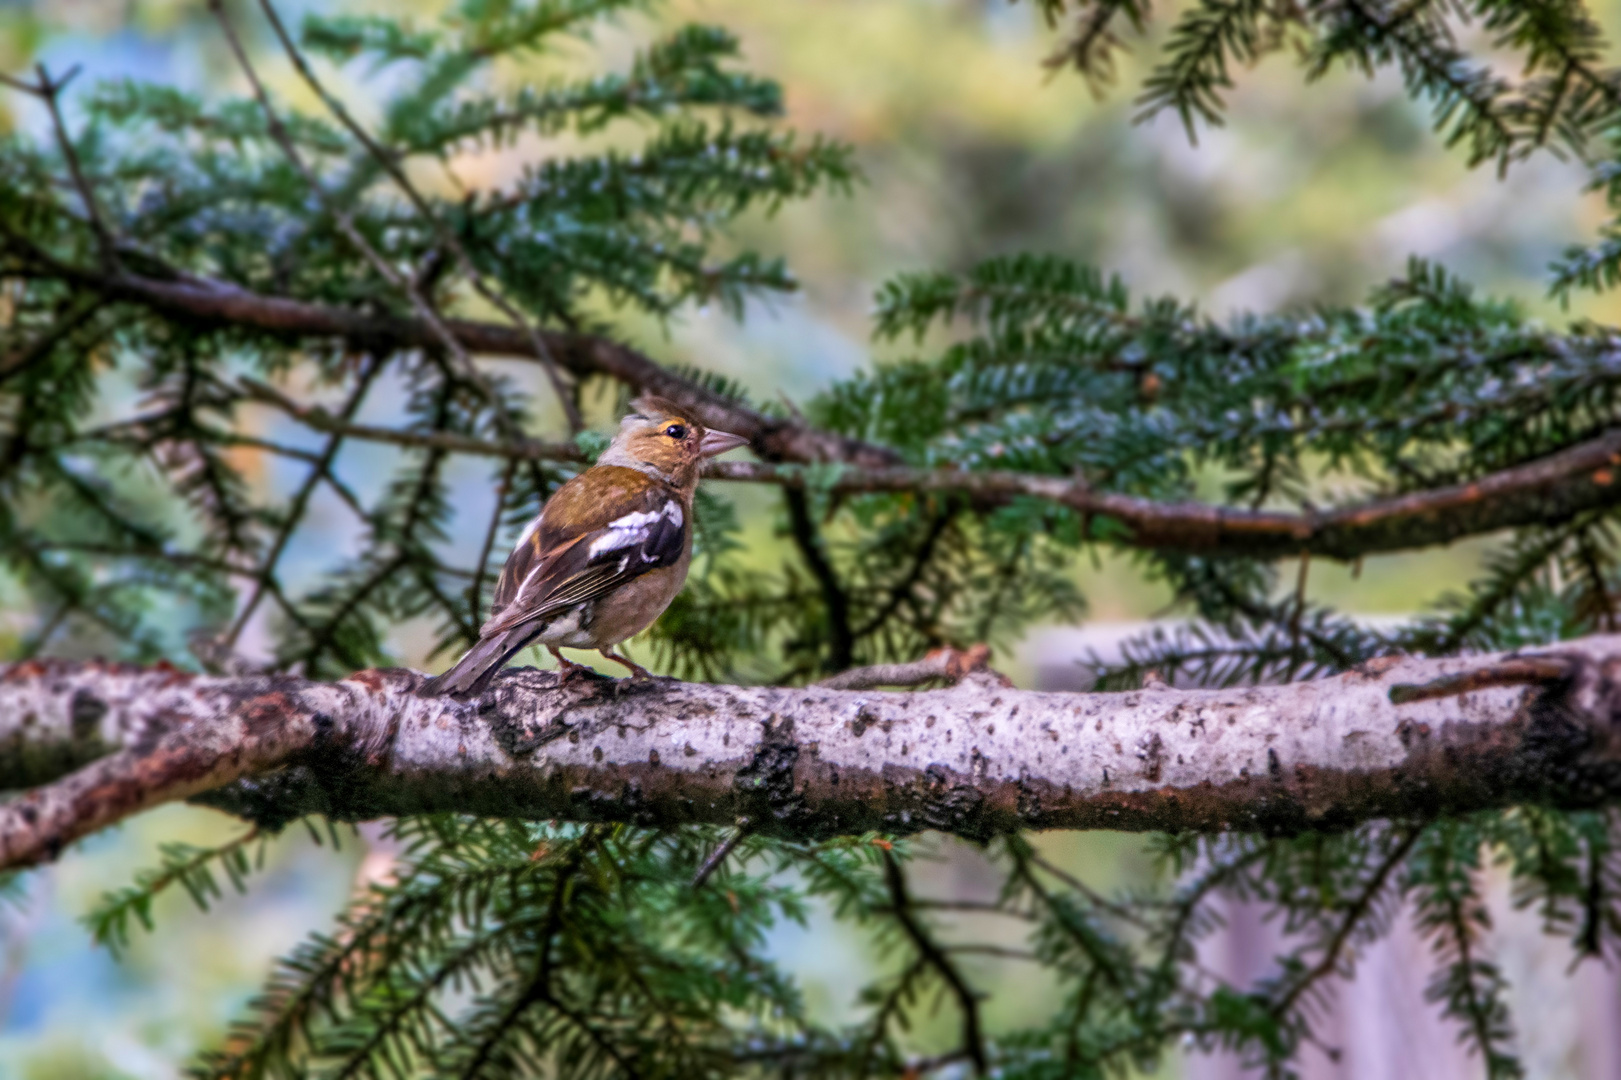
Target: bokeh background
[(969, 148)]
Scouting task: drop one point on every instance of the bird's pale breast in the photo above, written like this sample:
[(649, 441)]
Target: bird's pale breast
[(621, 614)]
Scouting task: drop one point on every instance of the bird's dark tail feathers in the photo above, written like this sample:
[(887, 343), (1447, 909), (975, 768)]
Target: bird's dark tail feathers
[(473, 672)]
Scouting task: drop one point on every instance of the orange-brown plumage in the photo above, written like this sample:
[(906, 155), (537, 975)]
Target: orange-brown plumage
[(607, 553)]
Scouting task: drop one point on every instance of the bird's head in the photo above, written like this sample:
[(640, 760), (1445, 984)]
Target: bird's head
[(660, 438)]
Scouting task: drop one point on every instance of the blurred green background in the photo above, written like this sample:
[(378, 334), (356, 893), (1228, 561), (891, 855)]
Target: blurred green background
[(970, 148)]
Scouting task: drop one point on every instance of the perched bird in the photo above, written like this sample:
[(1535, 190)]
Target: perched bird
[(606, 555)]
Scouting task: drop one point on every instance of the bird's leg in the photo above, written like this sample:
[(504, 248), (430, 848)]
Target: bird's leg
[(637, 671), (568, 667)]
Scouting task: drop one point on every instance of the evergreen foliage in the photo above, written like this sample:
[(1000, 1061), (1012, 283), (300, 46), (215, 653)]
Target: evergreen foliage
[(507, 948)]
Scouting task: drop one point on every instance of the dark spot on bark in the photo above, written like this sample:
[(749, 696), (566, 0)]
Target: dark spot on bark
[(1029, 805), (622, 803), (28, 812), (596, 754), (765, 787), (1408, 730), (86, 711), (277, 799), (523, 719), (1556, 759), (948, 804), (653, 757), (1274, 767), (689, 750)]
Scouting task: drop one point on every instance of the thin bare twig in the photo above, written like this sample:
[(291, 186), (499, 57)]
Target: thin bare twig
[(319, 470), (721, 853), (808, 538), (971, 907), (49, 92), (1512, 671), (447, 441), (946, 663), (1001, 952), (475, 589)]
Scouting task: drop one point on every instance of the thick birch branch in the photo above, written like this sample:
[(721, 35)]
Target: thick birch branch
[(105, 742)]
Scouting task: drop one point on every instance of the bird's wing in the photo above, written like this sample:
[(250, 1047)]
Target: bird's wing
[(596, 533)]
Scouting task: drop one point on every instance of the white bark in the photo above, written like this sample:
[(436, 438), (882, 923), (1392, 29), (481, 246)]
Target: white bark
[(972, 759)]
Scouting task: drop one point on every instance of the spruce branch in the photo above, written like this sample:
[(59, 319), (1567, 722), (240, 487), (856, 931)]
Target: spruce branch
[(1580, 477), (973, 1038), (320, 471), (345, 222), (222, 304), (445, 237), (1338, 946), (835, 599), (186, 865)]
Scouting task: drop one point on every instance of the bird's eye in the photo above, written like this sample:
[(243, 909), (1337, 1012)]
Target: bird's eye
[(676, 431)]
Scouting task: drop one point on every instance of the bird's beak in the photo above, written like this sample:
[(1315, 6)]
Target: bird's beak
[(718, 442)]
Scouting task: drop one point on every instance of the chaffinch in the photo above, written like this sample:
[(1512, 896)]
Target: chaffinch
[(606, 555)]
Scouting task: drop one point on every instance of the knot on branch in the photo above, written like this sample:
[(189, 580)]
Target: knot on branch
[(1569, 723), (1592, 687), (1573, 731)]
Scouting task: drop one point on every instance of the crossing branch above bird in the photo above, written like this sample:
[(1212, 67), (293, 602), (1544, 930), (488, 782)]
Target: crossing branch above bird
[(1582, 476)]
